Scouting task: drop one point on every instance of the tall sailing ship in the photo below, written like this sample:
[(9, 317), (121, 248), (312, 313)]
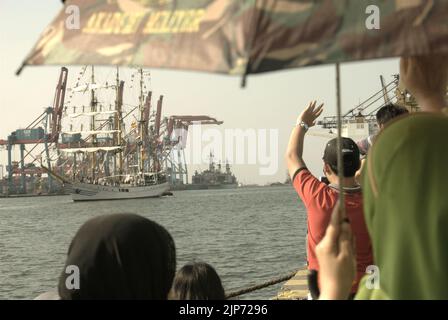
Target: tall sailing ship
[(99, 157)]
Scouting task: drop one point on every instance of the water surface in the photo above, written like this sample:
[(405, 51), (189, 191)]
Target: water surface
[(249, 235)]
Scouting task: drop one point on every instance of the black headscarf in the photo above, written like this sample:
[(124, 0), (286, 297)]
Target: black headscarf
[(121, 256)]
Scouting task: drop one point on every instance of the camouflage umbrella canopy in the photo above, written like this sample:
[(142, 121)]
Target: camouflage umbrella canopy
[(239, 36)]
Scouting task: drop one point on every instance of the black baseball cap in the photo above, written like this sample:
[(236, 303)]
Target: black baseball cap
[(350, 156)]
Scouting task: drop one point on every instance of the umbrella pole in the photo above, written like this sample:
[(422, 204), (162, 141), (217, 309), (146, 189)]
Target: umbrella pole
[(339, 140)]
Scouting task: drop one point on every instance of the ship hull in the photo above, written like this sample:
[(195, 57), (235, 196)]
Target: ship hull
[(91, 192)]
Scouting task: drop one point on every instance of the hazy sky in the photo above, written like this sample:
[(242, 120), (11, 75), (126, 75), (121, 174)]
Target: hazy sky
[(270, 101)]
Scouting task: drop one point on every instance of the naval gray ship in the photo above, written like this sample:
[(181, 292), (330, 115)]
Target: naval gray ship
[(212, 178)]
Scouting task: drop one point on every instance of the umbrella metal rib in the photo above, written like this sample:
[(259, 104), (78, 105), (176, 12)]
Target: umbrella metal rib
[(339, 140)]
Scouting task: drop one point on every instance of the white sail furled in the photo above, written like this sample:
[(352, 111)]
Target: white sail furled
[(92, 132), (92, 149), (90, 114)]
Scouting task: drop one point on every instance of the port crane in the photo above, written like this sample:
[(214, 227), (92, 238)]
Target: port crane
[(176, 133), (44, 130), (360, 121)]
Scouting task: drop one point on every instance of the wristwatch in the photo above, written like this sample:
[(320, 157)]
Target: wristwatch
[(303, 125)]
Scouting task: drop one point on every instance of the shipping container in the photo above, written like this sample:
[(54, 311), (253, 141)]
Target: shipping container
[(71, 138), (29, 134)]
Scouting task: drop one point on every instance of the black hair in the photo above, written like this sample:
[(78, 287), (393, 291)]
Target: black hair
[(197, 281), (388, 112)]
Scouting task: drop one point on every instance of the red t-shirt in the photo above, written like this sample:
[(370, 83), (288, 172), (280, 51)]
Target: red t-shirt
[(319, 200)]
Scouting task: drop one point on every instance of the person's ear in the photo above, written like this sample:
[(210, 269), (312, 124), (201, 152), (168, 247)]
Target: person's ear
[(327, 169)]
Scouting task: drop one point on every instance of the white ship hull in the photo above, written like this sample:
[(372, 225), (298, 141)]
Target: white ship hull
[(90, 192)]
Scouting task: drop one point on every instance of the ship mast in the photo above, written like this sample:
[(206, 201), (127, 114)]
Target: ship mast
[(141, 128), (117, 123), (92, 121)]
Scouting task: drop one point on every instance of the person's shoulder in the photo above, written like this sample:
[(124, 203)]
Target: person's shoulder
[(303, 175), (307, 185), (300, 172), (363, 145)]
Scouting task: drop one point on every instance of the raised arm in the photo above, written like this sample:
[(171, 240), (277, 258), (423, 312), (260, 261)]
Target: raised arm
[(294, 151)]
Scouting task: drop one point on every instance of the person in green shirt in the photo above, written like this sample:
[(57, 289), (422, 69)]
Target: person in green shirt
[(405, 201)]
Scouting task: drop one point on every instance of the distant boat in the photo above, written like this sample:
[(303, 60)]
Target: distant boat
[(89, 192), (212, 178), (81, 191)]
